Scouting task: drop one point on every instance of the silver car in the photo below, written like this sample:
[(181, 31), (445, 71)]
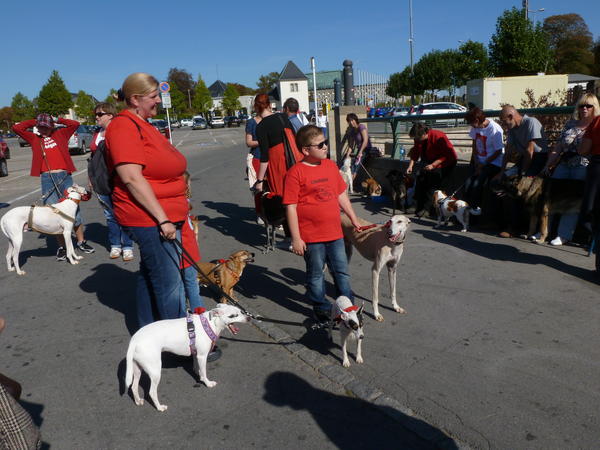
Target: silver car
[(80, 141)]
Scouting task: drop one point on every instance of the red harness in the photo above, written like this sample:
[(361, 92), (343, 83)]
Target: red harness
[(348, 309)]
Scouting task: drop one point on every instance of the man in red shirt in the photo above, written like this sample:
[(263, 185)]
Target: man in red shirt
[(314, 191), (52, 162), (439, 158)]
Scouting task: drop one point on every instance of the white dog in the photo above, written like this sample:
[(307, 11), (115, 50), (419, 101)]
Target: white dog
[(58, 218), (147, 344), (382, 244), (346, 172), (447, 207), (350, 320)]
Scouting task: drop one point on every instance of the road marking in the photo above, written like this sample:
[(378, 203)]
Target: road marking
[(14, 178), (10, 202), (233, 142), (179, 143)]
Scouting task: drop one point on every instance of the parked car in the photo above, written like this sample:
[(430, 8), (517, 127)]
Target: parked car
[(162, 126), (216, 122), (175, 123), (79, 142), (4, 148), (439, 108), (199, 124), (400, 111), (243, 117), (232, 121), (186, 122)]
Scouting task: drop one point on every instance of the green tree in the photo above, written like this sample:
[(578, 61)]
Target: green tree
[(54, 98), (231, 101), (110, 98), (22, 107), (571, 42), (401, 84), (179, 101), (243, 90), (435, 70), (473, 63), (6, 118), (266, 83), (519, 48), (202, 102), (596, 52), (84, 107), (183, 81)]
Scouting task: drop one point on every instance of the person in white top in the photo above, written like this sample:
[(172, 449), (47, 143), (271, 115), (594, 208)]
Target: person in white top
[(322, 123), (486, 156)]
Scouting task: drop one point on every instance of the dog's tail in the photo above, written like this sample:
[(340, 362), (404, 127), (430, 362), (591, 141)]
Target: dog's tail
[(129, 364), (474, 211)]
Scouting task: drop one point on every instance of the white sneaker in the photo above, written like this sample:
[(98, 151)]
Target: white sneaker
[(556, 241), (260, 221), (127, 255), (115, 252)]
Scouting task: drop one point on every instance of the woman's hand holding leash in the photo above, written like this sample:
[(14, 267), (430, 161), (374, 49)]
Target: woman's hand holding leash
[(167, 229)]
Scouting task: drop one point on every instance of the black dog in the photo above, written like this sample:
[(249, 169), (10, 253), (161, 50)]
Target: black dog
[(273, 215), (398, 182)]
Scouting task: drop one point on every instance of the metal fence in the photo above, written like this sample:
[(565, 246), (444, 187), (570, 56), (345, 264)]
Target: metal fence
[(396, 127)]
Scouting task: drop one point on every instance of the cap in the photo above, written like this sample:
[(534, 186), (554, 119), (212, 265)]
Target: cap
[(44, 120)]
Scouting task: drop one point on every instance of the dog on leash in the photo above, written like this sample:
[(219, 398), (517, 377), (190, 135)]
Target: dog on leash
[(381, 244), (147, 344), (447, 207), (273, 215), (350, 320), (58, 218), (372, 187), (225, 273), (346, 173), (398, 182)]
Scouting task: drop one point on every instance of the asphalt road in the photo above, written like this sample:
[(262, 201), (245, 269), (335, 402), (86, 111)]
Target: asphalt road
[(499, 347), (68, 328)]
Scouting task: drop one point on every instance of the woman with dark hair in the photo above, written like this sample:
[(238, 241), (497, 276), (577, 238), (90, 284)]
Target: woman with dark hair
[(438, 158), (278, 151), (486, 155), (359, 140), (261, 103)]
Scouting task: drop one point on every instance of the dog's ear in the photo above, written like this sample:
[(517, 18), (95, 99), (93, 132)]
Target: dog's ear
[(361, 309)]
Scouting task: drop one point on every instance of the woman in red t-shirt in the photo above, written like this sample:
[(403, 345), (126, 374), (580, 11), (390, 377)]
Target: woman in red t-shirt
[(149, 198)]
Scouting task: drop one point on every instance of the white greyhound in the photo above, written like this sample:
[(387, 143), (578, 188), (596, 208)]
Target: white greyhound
[(58, 218), (381, 244)]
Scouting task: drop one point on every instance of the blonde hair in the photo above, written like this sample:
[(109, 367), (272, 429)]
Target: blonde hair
[(587, 99), (138, 83)]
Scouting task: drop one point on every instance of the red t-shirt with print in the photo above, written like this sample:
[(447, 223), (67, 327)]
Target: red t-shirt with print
[(315, 190), (162, 166), (592, 133)]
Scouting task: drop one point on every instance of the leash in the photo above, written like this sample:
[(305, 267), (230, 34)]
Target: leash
[(365, 169), (185, 254)]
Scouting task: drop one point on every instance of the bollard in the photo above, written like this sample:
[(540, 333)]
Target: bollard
[(348, 84)]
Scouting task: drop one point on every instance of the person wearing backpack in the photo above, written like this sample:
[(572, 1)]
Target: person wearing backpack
[(100, 179)]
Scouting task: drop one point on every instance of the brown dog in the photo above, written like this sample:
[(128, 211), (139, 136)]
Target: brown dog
[(373, 187), (225, 273)]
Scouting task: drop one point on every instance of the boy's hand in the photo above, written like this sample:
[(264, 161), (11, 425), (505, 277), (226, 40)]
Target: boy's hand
[(298, 246), (357, 227)]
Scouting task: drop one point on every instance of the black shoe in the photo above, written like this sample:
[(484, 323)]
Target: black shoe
[(61, 254), (214, 355), (321, 316), (84, 247)]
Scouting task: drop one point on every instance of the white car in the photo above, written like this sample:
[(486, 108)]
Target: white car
[(216, 121), (439, 108), (186, 122)]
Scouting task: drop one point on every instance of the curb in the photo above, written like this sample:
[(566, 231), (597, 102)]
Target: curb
[(356, 388)]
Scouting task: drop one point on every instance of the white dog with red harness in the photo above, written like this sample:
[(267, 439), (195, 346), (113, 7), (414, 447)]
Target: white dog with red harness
[(194, 335), (350, 320), (448, 206), (381, 244), (58, 218)]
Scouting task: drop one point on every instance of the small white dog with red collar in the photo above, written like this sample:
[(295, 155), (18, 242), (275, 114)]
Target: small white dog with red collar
[(350, 320), (148, 343), (448, 206), (58, 218)]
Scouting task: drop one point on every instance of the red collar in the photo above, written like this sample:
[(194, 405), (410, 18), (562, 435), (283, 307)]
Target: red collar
[(348, 309)]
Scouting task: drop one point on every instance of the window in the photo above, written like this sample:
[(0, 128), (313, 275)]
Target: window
[(294, 87)]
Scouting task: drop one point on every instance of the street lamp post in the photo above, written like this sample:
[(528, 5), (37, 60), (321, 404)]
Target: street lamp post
[(314, 74), (410, 40), (533, 11), (189, 99)]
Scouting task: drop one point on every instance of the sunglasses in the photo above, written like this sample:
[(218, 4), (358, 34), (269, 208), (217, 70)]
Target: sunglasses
[(100, 114), (586, 106), (320, 144)]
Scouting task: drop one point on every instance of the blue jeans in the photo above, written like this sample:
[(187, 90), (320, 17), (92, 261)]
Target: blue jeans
[(316, 255), (160, 292), (63, 181), (116, 236), (192, 288), (568, 222)]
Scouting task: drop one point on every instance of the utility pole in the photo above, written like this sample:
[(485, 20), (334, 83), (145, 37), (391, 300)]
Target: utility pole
[(410, 40), (525, 4), (189, 99), (314, 74)]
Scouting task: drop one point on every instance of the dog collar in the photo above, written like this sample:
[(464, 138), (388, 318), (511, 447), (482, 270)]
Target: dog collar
[(189, 318), (338, 318), (207, 329)]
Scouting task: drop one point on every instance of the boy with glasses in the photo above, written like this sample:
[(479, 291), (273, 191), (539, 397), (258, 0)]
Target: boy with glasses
[(314, 192)]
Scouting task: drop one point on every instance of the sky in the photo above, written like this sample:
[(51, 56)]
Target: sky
[(95, 45)]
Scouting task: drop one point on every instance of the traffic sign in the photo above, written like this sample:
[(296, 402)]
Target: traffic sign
[(165, 97), (164, 86)]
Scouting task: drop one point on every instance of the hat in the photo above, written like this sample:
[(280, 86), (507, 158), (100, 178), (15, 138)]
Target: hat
[(44, 120)]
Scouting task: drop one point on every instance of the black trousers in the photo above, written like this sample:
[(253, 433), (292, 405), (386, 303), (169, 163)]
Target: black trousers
[(590, 203), (429, 181)]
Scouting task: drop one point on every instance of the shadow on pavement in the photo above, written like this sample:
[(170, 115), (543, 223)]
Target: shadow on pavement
[(115, 287), (504, 252), (239, 222), (348, 422), (97, 233)]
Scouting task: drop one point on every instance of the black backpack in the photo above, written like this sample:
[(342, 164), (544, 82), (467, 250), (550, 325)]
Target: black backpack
[(98, 173)]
